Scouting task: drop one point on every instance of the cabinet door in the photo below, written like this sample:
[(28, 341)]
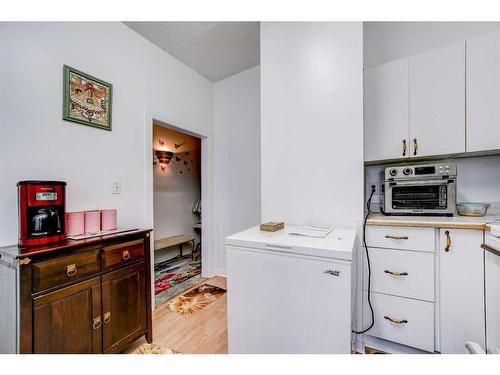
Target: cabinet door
[(437, 101), (492, 282), (461, 297), (386, 110), (123, 306), (69, 320), (483, 92)]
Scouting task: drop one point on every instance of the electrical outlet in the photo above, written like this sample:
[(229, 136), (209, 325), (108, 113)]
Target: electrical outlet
[(117, 187), (369, 188)]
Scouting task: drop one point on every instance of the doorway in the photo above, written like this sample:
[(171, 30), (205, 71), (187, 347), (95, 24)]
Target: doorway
[(177, 213)]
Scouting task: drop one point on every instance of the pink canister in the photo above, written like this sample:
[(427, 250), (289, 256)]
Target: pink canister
[(92, 221), (75, 223), (108, 219)]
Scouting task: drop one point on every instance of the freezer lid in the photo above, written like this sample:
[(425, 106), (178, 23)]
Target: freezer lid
[(338, 244)]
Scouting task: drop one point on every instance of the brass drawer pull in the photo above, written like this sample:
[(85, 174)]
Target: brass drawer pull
[(448, 241), (396, 273), (126, 255), (396, 237), (107, 317), (71, 270), (97, 323), (403, 321), (404, 147)]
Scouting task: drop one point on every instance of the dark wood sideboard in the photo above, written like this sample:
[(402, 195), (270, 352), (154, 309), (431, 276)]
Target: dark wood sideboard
[(85, 296)]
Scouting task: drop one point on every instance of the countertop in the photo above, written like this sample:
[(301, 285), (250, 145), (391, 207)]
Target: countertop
[(15, 252), (457, 222)]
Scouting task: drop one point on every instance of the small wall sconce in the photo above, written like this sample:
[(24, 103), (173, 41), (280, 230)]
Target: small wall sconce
[(163, 156)]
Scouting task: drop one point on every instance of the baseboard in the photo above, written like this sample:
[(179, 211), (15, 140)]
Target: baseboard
[(387, 346)]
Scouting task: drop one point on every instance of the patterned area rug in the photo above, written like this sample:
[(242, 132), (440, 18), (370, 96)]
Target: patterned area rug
[(174, 278), (155, 349), (196, 299)]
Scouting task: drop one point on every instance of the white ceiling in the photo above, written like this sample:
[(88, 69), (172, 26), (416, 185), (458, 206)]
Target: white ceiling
[(216, 50)]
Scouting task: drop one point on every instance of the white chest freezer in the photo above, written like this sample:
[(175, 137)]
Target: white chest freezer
[(289, 294)]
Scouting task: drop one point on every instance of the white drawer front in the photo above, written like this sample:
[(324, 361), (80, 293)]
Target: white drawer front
[(405, 238), (418, 329), (401, 273)]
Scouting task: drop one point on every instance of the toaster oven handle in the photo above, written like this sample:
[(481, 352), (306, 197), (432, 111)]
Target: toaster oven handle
[(426, 182)]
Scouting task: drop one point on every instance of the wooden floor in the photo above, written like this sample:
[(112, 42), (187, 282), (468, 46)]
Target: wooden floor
[(204, 332)]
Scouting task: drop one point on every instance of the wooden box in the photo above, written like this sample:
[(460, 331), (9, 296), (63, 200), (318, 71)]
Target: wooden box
[(272, 226)]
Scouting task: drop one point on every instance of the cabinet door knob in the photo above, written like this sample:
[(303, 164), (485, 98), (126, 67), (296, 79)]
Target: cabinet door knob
[(396, 273), (126, 255), (396, 237), (415, 146), (397, 321), (97, 323), (404, 147), (107, 317), (71, 270), (448, 241)]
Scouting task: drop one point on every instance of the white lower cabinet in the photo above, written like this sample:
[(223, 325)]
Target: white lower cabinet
[(403, 320), (492, 292), (429, 293), (401, 238), (401, 273), (461, 285)]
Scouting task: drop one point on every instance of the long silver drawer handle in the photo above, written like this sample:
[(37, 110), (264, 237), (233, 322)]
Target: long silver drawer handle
[(396, 237), (402, 321), (396, 273)]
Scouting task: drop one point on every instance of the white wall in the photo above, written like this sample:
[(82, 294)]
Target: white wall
[(36, 144), (237, 155), (312, 122), (387, 41)]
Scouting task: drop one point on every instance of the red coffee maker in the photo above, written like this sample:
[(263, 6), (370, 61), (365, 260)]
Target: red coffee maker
[(41, 212)]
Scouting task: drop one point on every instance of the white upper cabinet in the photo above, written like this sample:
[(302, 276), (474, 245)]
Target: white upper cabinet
[(461, 281), (437, 101), (386, 110), (483, 93)]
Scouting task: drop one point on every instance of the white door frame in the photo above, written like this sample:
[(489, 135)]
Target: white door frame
[(208, 265)]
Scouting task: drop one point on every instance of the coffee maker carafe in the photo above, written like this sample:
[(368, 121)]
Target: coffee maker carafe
[(41, 212)]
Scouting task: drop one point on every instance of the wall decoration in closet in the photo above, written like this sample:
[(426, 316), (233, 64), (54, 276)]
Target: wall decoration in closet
[(162, 155), (87, 100)]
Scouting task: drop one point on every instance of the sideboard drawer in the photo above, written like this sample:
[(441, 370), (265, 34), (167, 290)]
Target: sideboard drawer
[(116, 255), (405, 238), (402, 320), (401, 273), (57, 271)]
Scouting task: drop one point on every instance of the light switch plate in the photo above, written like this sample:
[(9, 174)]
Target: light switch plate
[(117, 187)]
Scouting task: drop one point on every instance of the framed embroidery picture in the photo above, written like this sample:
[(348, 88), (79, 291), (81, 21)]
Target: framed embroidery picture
[(87, 100)]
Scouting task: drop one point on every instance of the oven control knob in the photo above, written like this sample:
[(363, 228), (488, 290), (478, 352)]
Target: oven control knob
[(407, 171), (393, 172)]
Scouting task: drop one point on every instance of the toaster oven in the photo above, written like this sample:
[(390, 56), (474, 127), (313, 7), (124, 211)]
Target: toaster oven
[(420, 190)]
